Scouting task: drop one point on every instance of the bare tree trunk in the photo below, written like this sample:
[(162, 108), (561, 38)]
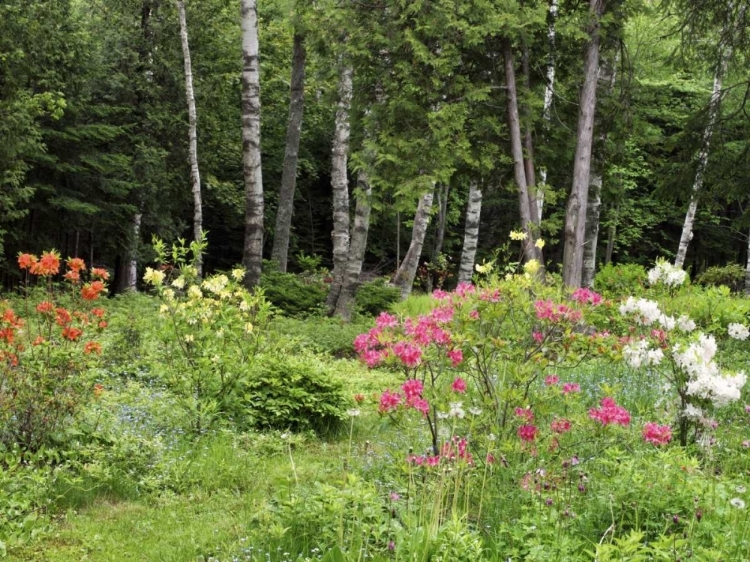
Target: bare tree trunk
[(575, 216), (285, 210), (747, 269), (437, 248), (528, 141), (529, 250), (252, 252), (608, 76), (549, 91), (611, 234), (713, 114), (407, 271), (340, 186), (131, 271), (471, 233), (195, 176), (357, 247)]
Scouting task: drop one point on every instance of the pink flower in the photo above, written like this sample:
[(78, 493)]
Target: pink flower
[(372, 357), (474, 315), (389, 401), (610, 413), (459, 385), (747, 408), (362, 343), (386, 320), (551, 379), (538, 337), (409, 354), (569, 387), (746, 444), (525, 413), (464, 289), (420, 405), (657, 434), (490, 295), (560, 425), (585, 295), (440, 295), (412, 389), (443, 314), (527, 432), (490, 459), (433, 461), (456, 356), (415, 459)]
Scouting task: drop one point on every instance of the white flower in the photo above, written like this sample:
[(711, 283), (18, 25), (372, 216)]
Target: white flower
[(457, 410), (667, 273), (685, 324), (646, 312), (638, 354), (353, 413), (738, 503), (475, 411), (740, 489), (738, 331), (692, 412), (216, 284)]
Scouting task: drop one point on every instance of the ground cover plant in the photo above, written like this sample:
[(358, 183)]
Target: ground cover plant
[(506, 419)]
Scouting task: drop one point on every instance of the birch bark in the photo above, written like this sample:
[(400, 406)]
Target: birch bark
[(407, 271), (252, 252), (471, 233), (549, 91)]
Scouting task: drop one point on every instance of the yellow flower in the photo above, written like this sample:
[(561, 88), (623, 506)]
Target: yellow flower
[(539, 244), (238, 273), (531, 267), (485, 267), (179, 283), (153, 277), (517, 235), (164, 309), (189, 338), (194, 292), (249, 327), (169, 294)]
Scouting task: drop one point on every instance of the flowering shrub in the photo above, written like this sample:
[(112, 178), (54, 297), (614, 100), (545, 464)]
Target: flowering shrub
[(45, 349), (213, 330), (667, 274)]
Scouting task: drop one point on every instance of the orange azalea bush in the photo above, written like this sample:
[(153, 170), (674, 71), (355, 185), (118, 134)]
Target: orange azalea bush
[(46, 344)]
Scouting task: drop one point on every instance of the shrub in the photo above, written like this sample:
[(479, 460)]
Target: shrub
[(621, 279), (292, 392), (376, 296), (331, 336), (293, 295), (731, 275)]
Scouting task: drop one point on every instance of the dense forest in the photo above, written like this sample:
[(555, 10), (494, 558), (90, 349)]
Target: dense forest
[(377, 134)]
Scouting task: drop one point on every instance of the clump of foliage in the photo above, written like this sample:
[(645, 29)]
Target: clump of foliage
[(330, 336), (293, 294), (731, 275), (376, 296), (620, 279), (293, 392)]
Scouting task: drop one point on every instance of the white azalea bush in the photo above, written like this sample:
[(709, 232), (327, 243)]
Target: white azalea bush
[(666, 274)]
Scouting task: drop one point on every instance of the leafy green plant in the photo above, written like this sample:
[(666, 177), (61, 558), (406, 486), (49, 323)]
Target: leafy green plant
[(621, 279), (376, 296), (731, 275), (293, 392), (294, 295)]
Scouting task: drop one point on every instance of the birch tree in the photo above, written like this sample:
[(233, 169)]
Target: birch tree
[(407, 271), (252, 252), (340, 185), (285, 210), (575, 215), (549, 91), (195, 176), (471, 233)]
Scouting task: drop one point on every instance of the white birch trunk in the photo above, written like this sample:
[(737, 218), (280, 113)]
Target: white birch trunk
[(357, 247), (131, 270), (713, 113), (252, 254), (747, 268), (280, 252), (407, 271), (575, 216), (340, 186), (471, 233), (530, 251), (549, 91), (195, 176)]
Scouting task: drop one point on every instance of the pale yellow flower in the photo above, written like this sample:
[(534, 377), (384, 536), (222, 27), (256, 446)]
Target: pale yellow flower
[(179, 283), (249, 327), (531, 267), (238, 274), (164, 309), (194, 292), (154, 277), (518, 235), (189, 338), (539, 244), (485, 267)]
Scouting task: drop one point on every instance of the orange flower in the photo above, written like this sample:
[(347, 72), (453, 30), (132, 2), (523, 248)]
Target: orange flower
[(82, 317), (7, 334), (48, 264), (100, 272), (98, 390), (26, 261), (90, 291), (10, 317), (45, 307), (63, 317), (98, 312), (38, 341), (92, 347), (72, 275), (103, 324), (76, 264), (71, 334)]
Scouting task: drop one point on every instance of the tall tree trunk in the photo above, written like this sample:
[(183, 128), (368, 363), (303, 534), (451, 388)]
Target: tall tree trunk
[(357, 247), (747, 268), (340, 186), (529, 250), (607, 76), (407, 271), (437, 248), (131, 270), (252, 252), (575, 215), (549, 91), (611, 234), (195, 176), (280, 250), (528, 140), (713, 114), (471, 233)]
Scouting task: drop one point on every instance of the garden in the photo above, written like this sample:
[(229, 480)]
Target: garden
[(507, 419)]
